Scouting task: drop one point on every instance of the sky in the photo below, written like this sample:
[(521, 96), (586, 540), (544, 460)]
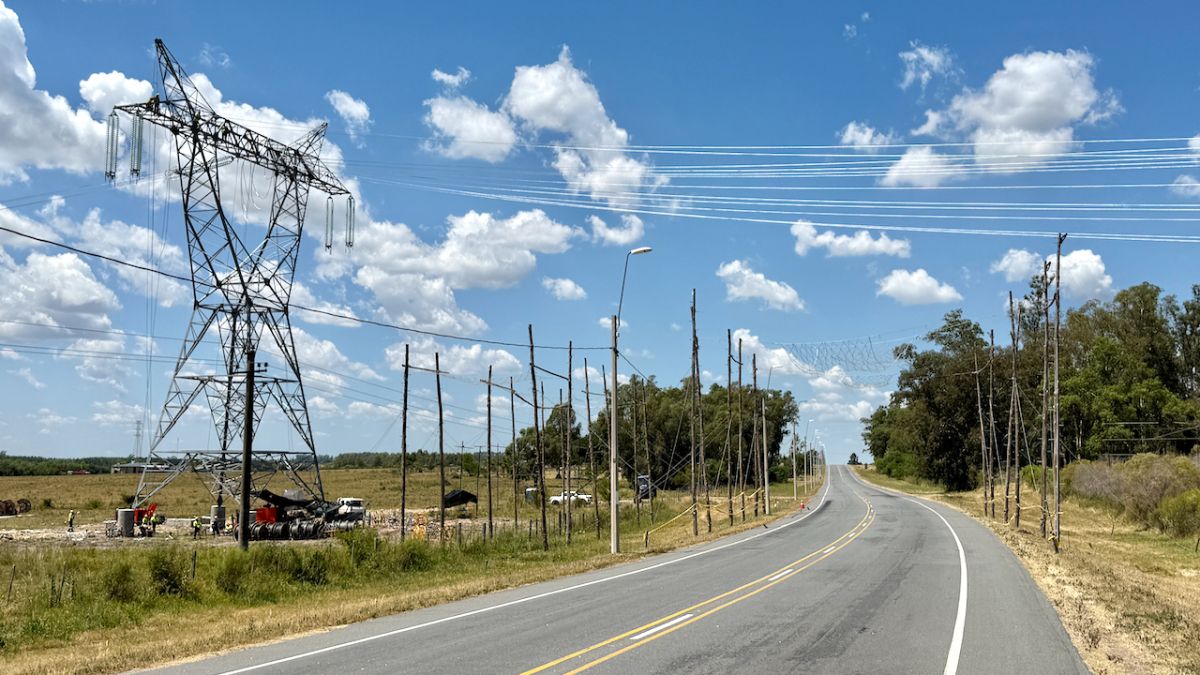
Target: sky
[(830, 179)]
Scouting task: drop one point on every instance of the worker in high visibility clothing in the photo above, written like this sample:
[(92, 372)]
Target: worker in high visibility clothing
[(71, 521), (196, 527)]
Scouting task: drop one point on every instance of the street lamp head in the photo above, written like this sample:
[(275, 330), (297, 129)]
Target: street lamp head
[(640, 250)]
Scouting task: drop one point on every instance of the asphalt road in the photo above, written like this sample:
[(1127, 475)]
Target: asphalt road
[(866, 581)]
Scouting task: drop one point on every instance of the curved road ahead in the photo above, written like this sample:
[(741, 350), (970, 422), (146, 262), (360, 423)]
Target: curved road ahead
[(866, 581)]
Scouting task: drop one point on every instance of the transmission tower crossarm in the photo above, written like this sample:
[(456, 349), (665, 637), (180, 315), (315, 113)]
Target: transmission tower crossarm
[(241, 142)]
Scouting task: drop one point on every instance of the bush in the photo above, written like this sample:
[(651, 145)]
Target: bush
[(120, 582), (168, 571), (1180, 515), (232, 572), (413, 555), (47, 503)]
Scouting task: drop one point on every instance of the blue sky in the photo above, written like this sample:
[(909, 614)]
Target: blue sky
[(970, 103)]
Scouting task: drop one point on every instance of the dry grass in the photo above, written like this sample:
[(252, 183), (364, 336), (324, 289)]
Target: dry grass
[(173, 630), (1127, 596)]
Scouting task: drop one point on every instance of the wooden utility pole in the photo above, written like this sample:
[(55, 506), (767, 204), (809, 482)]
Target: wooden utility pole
[(692, 421), (633, 433), (587, 390), (512, 416), (649, 458), (437, 373), (1045, 385), (765, 458), (994, 457), (404, 451), (537, 438), (570, 431), (1019, 424), (1057, 410), (795, 485), (729, 419), (491, 525), (1012, 408), (983, 449), (753, 458)]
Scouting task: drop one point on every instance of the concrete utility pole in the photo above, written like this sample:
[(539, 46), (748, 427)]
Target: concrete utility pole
[(587, 391), (247, 451), (729, 419), (766, 467), (1057, 411), (570, 412)]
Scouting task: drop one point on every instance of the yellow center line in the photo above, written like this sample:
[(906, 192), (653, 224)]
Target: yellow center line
[(718, 608), (766, 577)]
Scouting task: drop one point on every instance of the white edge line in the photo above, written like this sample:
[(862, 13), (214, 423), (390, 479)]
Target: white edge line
[(960, 619), (661, 626), (519, 601), (781, 574)]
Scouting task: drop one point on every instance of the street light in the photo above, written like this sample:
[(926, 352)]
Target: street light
[(613, 491)]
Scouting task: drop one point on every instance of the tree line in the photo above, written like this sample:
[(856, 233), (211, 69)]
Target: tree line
[(1129, 382)]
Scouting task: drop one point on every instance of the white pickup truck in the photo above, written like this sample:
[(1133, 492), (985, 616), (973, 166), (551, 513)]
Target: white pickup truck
[(351, 508), (577, 497)]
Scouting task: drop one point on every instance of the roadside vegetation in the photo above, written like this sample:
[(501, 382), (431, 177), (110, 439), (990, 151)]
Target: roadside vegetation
[(100, 605), (1126, 592)]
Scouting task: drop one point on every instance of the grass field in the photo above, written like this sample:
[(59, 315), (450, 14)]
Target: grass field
[(1128, 596), (124, 604)]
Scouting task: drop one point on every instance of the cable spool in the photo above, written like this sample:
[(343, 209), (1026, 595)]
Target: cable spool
[(110, 160), (329, 224), (350, 221), (135, 151)]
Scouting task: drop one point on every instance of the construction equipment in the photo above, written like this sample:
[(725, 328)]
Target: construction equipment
[(295, 517)]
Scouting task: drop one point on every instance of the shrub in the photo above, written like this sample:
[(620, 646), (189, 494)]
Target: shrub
[(1149, 479), (120, 582), (1180, 515), (413, 555), (168, 571), (47, 503), (232, 572), (94, 504)]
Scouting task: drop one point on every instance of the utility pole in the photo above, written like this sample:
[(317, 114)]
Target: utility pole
[(1012, 408), (404, 451), (491, 526), (1019, 424), (1057, 410), (1045, 384), (983, 448), (437, 374), (614, 525), (570, 429), (994, 457), (695, 386), (729, 419), (247, 451), (795, 485), (587, 390), (766, 467), (759, 493), (649, 458), (512, 416), (537, 436), (740, 468)]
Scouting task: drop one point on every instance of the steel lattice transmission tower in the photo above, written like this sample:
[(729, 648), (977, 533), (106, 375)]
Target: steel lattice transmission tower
[(240, 291)]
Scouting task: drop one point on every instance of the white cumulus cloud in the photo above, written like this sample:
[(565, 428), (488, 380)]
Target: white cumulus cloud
[(861, 243), (862, 136), (564, 289), (632, 229), (743, 283), (354, 113), (916, 288), (466, 129), (451, 80)]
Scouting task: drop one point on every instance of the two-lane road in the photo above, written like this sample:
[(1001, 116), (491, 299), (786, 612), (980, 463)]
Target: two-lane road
[(867, 581)]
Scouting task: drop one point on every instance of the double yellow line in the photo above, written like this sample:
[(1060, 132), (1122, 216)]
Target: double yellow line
[(684, 616)]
